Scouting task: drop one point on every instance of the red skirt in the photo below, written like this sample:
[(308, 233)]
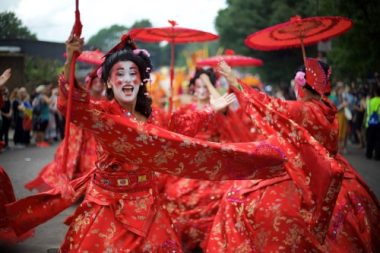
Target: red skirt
[(122, 212), (192, 205)]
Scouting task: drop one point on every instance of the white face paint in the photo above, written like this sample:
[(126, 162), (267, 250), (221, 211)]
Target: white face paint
[(125, 80), (201, 91)]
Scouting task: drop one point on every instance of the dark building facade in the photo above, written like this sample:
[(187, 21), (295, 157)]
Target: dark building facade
[(42, 49), (14, 51)]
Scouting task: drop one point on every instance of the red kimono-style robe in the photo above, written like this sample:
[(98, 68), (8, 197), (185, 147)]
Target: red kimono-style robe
[(122, 209), (322, 205)]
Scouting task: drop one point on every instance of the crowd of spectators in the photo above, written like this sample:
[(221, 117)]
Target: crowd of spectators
[(30, 118)]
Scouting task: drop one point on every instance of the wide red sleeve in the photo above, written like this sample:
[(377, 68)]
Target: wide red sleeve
[(29, 212), (291, 109), (155, 148)]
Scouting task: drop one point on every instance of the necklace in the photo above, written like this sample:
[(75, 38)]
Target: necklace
[(126, 112)]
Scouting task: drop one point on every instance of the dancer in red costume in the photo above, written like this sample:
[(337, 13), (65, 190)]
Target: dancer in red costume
[(192, 204), (322, 204), (82, 148), (122, 210)]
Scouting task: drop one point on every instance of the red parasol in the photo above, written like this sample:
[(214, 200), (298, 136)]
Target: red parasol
[(231, 59), (173, 35), (91, 57), (298, 32)]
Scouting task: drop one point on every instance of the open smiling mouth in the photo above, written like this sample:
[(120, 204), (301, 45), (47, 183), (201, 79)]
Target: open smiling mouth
[(128, 90)]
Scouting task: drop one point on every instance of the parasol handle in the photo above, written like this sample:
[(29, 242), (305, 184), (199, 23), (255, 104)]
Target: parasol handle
[(171, 77), (303, 50), (77, 30), (68, 111)]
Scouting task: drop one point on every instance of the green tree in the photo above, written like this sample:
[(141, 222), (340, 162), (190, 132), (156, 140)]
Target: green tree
[(106, 38), (39, 70), (357, 53), (12, 28)]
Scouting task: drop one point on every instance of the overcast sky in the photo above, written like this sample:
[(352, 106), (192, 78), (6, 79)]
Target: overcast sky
[(52, 20)]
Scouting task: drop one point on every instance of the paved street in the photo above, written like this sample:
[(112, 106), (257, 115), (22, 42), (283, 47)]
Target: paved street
[(24, 164)]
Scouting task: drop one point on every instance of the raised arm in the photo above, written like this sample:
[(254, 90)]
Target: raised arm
[(5, 77), (291, 109), (73, 44)]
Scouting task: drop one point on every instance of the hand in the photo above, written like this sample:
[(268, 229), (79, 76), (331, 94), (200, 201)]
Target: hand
[(221, 103), (5, 77), (225, 70), (73, 44)]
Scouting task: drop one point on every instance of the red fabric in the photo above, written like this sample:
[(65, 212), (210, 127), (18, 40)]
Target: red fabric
[(105, 232), (95, 57), (190, 121), (192, 205), (297, 212), (27, 123), (289, 34), (42, 207), (7, 234)]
